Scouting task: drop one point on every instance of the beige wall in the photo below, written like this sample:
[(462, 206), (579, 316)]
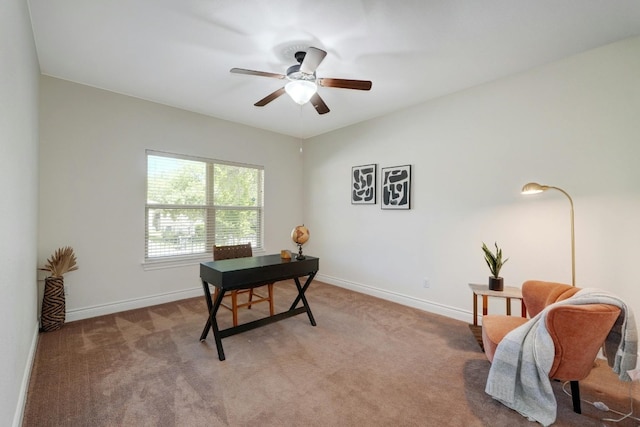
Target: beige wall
[(18, 209), (572, 124)]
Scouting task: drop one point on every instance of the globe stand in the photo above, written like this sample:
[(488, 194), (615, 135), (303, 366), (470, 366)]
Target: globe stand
[(300, 257)]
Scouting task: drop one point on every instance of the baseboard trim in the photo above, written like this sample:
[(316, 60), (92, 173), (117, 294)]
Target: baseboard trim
[(115, 307), (24, 387), (131, 304), (421, 304)]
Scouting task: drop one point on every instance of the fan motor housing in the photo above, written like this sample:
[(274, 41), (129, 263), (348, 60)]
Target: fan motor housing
[(294, 73), (300, 56)]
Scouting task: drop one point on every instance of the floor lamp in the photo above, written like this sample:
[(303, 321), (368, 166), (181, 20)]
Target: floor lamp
[(534, 188)]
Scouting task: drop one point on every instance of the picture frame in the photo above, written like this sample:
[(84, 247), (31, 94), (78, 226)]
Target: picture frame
[(363, 184), (395, 187)]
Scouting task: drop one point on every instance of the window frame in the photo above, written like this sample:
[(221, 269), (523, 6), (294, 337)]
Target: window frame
[(210, 211)]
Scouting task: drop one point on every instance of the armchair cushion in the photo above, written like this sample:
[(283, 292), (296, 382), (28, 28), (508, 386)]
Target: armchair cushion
[(494, 329)]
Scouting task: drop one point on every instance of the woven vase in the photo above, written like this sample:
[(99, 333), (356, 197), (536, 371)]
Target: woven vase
[(53, 304)]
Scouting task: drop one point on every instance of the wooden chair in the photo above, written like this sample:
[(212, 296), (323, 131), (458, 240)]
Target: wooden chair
[(241, 251)]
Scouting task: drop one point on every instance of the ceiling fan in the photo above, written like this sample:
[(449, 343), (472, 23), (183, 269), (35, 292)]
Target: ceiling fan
[(303, 84)]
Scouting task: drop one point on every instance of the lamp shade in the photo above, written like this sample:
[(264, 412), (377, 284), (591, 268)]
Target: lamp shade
[(301, 91), (533, 188)]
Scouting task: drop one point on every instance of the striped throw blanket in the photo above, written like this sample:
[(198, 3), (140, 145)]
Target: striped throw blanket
[(519, 374)]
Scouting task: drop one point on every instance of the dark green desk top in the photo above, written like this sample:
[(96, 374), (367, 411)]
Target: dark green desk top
[(239, 273)]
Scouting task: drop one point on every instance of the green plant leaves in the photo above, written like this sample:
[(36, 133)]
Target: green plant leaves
[(493, 260)]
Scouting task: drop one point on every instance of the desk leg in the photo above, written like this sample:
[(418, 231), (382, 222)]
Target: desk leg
[(304, 289), (214, 324), (475, 309), (207, 298), (485, 305), (508, 306), (523, 309), (301, 291), (211, 321)]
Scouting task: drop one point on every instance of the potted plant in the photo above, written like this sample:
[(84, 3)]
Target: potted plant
[(53, 301), (495, 263)]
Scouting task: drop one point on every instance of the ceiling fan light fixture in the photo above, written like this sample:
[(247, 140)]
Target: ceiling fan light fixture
[(302, 85), (301, 91)]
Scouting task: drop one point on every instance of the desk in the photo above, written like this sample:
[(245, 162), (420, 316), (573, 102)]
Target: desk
[(508, 293), (249, 272)]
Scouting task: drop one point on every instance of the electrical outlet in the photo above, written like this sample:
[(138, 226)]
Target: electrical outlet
[(425, 283)]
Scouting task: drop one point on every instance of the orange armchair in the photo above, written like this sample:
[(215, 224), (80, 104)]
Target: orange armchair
[(577, 331)]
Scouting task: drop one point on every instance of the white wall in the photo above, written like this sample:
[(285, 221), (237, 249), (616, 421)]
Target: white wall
[(92, 189), (18, 208), (573, 124)]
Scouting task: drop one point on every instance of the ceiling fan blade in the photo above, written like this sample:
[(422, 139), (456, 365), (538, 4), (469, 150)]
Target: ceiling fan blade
[(312, 59), (319, 104), (345, 84), (267, 99), (257, 73)]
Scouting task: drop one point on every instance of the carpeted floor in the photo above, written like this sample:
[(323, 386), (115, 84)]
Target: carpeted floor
[(368, 362)]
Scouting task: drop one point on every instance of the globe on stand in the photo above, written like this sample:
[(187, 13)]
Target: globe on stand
[(300, 236)]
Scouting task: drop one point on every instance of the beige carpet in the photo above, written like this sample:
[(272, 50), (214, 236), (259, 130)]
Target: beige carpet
[(369, 362)]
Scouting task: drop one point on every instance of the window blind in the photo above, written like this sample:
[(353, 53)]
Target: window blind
[(194, 203)]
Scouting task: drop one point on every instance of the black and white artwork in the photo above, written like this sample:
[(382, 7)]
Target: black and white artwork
[(396, 187), (363, 185)]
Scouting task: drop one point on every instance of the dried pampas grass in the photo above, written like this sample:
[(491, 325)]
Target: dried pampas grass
[(61, 262)]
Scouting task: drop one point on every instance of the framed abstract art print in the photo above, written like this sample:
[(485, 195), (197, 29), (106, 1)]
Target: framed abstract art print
[(363, 185), (396, 187)]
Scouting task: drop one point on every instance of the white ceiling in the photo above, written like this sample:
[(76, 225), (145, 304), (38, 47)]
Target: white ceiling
[(179, 52)]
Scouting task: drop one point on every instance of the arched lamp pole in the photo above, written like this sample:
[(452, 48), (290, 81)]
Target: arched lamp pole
[(534, 188)]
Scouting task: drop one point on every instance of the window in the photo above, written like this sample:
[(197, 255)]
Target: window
[(194, 203)]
